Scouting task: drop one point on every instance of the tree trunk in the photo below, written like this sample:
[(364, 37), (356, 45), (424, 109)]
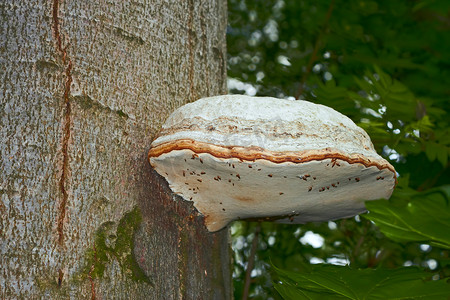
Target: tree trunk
[(84, 88)]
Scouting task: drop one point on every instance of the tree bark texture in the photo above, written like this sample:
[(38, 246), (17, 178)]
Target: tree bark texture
[(84, 88)]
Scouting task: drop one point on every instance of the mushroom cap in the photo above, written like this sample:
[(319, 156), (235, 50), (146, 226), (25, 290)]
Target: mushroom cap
[(240, 157)]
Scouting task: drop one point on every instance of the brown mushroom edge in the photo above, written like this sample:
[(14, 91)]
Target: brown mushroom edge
[(216, 220)]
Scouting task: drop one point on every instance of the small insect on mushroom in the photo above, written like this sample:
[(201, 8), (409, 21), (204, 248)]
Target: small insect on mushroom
[(187, 142)]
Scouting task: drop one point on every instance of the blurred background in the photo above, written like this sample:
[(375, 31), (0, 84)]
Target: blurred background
[(386, 65)]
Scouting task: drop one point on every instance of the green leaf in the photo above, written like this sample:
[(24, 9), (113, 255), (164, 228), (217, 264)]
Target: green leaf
[(425, 217), (431, 150), (337, 282), (437, 151), (392, 94)]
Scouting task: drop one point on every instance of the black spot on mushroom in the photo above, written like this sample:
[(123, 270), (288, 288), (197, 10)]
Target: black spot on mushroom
[(199, 180), (270, 175), (357, 179), (334, 162)]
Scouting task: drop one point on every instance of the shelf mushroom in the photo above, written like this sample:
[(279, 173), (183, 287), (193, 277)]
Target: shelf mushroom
[(240, 157)]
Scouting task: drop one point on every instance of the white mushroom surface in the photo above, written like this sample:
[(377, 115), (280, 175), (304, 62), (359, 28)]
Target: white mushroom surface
[(240, 157)]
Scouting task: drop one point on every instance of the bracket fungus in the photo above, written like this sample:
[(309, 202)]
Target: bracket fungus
[(240, 157)]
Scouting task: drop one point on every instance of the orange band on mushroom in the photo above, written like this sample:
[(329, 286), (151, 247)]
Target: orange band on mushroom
[(253, 153)]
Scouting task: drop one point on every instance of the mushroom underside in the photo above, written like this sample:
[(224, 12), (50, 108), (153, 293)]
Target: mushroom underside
[(227, 189)]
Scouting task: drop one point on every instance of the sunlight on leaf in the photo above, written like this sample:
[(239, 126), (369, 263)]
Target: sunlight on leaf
[(425, 217), (336, 282)]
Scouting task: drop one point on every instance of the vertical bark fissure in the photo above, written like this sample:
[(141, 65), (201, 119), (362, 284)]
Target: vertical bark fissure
[(66, 127), (205, 48), (182, 264), (191, 50), (67, 64), (91, 279)]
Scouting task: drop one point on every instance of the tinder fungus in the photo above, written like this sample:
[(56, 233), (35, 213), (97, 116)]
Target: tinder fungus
[(240, 157)]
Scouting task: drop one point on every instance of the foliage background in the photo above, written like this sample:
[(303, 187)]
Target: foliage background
[(386, 65)]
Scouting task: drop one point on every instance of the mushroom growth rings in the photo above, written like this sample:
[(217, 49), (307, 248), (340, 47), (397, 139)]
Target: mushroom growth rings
[(239, 157)]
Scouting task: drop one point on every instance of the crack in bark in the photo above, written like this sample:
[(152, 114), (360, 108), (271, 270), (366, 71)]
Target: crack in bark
[(205, 49), (67, 119), (91, 279), (191, 50), (60, 277)]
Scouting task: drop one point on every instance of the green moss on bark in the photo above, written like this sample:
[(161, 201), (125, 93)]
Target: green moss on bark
[(116, 243)]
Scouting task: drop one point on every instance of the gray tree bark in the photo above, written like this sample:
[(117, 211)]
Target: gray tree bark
[(84, 88)]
